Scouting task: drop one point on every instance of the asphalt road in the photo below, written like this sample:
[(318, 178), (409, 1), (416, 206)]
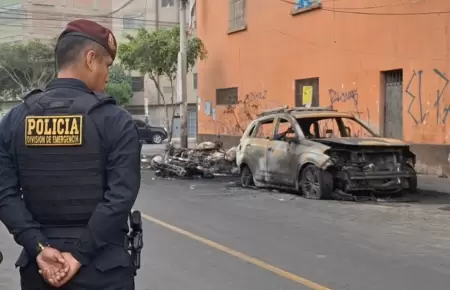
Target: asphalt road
[(212, 235)]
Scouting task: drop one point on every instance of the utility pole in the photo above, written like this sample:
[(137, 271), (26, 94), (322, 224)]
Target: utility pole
[(183, 76)]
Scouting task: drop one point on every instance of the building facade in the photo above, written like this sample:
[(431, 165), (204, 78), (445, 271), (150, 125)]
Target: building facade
[(154, 14), (22, 20), (385, 61)]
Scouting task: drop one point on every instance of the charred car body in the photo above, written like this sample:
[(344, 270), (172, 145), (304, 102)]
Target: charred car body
[(321, 152)]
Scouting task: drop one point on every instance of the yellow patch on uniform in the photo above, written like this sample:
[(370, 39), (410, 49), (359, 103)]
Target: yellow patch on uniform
[(54, 130)]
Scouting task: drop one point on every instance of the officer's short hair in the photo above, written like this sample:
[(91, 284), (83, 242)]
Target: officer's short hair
[(70, 48)]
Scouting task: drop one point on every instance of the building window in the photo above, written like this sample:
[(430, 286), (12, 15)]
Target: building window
[(228, 96), (133, 21), (167, 3), (194, 80), (237, 15), (137, 84)]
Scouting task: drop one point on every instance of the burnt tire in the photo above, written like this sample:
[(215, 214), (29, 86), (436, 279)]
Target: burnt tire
[(316, 183), (247, 177), (412, 180)]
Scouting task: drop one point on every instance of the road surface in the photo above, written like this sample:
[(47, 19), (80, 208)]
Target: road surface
[(212, 235)]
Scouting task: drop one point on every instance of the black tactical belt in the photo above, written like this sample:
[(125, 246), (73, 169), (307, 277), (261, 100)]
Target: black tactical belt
[(77, 232)]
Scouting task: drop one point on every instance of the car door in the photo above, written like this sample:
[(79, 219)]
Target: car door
[(281, 155), (142, 130), (255, 148)]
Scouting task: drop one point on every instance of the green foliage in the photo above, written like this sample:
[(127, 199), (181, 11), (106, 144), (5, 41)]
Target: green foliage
[(24, 67), (156, 52), (119, 85)]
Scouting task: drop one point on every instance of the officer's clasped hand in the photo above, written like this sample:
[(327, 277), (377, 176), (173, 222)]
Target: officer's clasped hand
[(55, 267)]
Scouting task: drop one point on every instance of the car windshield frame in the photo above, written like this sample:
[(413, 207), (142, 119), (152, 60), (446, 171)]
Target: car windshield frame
[(302, 122)]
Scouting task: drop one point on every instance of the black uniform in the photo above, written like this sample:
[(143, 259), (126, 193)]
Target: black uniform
[(70, 174)]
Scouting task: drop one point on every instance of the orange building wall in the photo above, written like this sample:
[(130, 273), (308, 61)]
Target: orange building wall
[(346, 51)]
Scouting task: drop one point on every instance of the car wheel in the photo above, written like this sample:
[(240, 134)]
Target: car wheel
[(247, 177), (316, 183), (412, 181), (157, 138)]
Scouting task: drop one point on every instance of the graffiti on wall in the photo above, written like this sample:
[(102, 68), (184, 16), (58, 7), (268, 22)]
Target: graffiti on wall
[(243, 112), (440, 106), (351, 96), (345, 97)]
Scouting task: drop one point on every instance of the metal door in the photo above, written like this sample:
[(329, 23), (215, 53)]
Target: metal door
[(307, 92), (393, 109), (176, 128)]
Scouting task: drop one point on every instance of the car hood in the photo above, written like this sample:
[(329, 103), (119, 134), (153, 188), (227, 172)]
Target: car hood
[(361, 141)]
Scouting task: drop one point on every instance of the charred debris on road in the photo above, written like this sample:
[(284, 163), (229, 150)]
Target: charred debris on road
[(207, 160)]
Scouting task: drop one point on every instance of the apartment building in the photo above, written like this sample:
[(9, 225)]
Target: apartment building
[(11, 28), (388, 65), (154, 14), (22, 20)]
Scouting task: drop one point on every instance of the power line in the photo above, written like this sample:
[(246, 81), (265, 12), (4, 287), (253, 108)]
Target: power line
[(344, 10), (62, 18), (355, 8), (121, 7), (386, 14), (24, 12)]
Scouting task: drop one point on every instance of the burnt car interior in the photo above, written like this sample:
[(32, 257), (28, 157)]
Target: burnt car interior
[(333, 127)]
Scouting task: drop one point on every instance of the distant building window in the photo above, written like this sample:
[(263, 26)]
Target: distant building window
[(237, 15), (133, 21), (167, 3), (137, 84), (167, 90), (228, 96), (194, 81)]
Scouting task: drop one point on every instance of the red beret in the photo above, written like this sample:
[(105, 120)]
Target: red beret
[(93, 31)]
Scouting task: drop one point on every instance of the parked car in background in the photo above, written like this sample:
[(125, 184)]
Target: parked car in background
[(150, 134), (321, 153)]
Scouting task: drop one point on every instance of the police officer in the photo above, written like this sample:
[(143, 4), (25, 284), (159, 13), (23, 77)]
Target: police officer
[(70, 171)]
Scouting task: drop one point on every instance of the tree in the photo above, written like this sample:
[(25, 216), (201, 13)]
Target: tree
[(119, 85), (24, 67), (155, 53)]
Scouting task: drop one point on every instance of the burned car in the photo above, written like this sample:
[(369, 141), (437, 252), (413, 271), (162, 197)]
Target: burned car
[(320, 152)]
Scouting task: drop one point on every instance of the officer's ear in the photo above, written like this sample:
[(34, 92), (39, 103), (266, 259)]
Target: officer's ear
[(91, 59)]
